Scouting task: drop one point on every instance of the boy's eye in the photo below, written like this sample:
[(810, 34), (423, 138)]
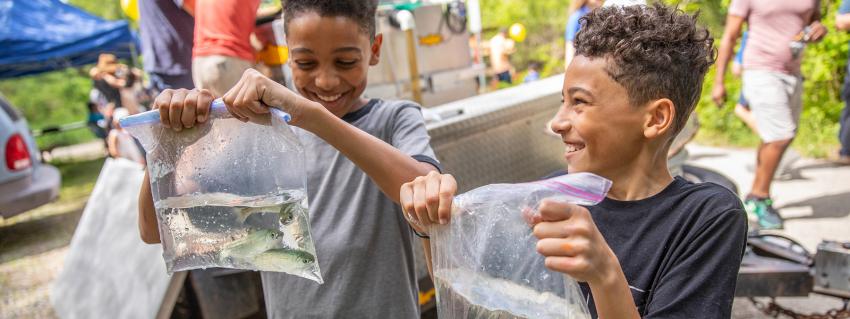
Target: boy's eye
[(305, 64), (346, 63)]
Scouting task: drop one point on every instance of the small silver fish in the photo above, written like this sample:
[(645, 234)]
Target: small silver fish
[(290, 260), (253, 244), (289, 211), (242, 213)]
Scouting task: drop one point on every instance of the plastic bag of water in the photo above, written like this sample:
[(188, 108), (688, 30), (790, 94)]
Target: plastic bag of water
[(229, 194), (485, 261)]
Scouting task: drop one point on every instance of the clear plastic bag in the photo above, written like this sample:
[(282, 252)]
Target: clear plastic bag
[(229, 194), (485, 261)]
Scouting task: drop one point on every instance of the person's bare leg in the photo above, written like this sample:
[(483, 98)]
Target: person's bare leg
[(769, 155), (747, 117)]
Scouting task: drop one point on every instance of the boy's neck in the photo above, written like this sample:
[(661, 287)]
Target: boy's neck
[(645, 176), (361, 102)]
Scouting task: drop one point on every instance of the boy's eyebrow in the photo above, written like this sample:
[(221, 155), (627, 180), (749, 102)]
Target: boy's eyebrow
[(347, 49), (301, 50), (344, 49), (573, 90)]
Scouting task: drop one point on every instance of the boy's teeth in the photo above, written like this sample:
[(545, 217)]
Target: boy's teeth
[(572, 148), (329, 98)]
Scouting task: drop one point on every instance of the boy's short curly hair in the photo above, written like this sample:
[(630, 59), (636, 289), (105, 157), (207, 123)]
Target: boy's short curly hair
[(360, 11), (653, 51)]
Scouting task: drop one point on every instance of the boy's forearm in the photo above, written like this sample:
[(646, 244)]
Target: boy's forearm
[(148, 227), (613, 298), (388, 167)]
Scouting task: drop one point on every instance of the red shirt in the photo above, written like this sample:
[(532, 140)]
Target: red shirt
[(223, 27)]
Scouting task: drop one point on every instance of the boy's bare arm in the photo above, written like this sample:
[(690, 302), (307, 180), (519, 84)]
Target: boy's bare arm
[(387, 166), (148, 227)]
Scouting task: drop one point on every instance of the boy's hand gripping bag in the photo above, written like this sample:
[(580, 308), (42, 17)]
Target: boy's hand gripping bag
[(485, 261), (229, 194)]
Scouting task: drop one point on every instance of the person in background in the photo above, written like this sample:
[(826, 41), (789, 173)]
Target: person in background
[(772, 83), (501, 48), (842, 22), (166, 35), (222, 48), (104, 79), (96, 122), (578, 9), (120, 144), (533, 72), (117, 82)]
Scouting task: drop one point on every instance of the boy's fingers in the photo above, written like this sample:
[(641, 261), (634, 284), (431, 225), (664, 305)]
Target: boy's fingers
[(551, 210), (189, 106), (233, 100), (568, 265), (561, 247), (162, 102), (256, 105), (551, 230), (448, 188), (406, 199), (419, 203), (175, 109), (205, 99), (432, 196)]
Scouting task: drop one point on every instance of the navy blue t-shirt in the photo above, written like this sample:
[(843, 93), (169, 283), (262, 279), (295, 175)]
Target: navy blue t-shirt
[(680, 249), (166, 32)]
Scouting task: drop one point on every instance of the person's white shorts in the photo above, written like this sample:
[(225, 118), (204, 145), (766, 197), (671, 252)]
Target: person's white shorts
[(217, 73), (776, 100)]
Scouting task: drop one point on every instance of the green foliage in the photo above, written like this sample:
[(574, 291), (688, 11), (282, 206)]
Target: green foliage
[(58, 97), (52, 99), (543, 19)]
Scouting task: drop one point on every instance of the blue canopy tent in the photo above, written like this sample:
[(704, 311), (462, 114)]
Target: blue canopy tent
[(44, 35)]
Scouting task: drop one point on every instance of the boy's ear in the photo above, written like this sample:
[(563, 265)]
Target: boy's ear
[(660, 117), (376, 49)]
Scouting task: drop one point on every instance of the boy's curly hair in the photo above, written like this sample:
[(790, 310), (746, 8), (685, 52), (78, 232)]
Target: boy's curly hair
[(360, 11), (653, 51)]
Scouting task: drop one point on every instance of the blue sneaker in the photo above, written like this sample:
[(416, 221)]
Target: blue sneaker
[(761, 211)]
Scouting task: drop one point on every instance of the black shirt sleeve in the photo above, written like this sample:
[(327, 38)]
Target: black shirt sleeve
[(700, 283)]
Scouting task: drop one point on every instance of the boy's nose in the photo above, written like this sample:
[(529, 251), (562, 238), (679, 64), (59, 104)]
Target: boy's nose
[(327, 81), (561, 123)]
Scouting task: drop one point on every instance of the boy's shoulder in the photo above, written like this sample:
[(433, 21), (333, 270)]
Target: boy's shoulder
[(395, 105), (708, 199), (383, 112)]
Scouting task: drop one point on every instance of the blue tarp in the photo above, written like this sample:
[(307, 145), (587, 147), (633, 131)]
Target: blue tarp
[(45, 35)]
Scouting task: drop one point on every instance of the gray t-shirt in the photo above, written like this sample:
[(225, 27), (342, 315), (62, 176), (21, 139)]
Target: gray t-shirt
[(364, 245)]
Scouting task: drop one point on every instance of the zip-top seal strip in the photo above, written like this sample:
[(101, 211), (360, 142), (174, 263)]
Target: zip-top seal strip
[(217, 106), (574, 191)]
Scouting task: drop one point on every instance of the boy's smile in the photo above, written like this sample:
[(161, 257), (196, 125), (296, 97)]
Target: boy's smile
[(601, 130), (330, 58)]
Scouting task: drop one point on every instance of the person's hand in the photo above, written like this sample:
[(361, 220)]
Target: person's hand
[(718, 94), (428, 199), (251, 97), (817, 32), (179, 109), (572, 244)]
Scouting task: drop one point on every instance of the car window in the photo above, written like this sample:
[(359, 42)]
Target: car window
[(8, 109)]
